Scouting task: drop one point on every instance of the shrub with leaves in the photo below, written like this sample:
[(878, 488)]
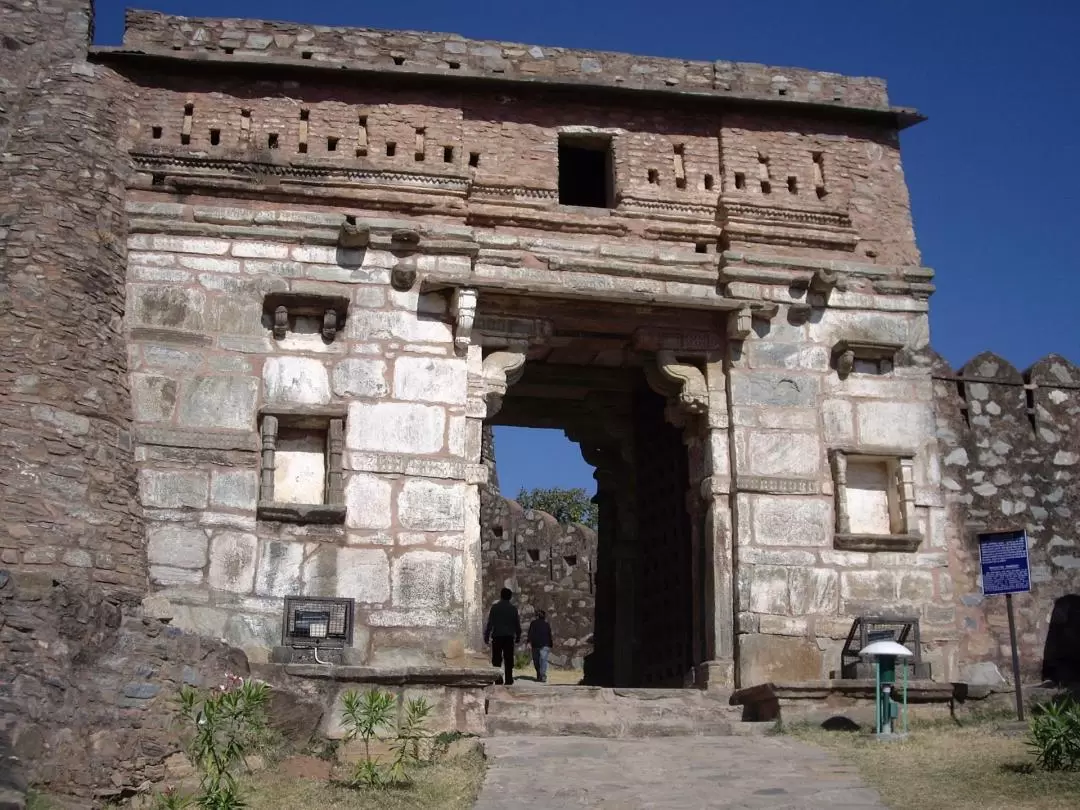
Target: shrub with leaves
[(1054, 734), (366, 715), (222, 727)]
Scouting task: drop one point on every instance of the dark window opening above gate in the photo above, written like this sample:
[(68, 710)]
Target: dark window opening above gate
[(586, 173)]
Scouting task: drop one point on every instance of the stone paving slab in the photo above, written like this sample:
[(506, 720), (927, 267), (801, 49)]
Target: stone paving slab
[(559, 773)]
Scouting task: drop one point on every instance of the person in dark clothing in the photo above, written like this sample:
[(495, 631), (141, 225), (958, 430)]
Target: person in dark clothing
[(503, 630), (541, 641)]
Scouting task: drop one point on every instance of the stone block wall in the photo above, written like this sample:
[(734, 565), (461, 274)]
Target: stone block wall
[(801, 578), (205, 365), (1011, 461), (549, 566), (67, 482)]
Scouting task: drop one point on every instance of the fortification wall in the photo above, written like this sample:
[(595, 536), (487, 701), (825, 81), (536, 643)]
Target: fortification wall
[(549, 566), (1011, 460), (67, 485)]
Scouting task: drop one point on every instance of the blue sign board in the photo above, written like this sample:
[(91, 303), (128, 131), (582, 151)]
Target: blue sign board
[(1003, 557)]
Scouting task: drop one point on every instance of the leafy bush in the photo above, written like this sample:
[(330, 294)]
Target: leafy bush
[(366, 715), (222, 726), (1054, 734)]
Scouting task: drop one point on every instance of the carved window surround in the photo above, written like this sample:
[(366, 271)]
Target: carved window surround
[(851, 355), (284, 310), (875, 500), (278, 426)]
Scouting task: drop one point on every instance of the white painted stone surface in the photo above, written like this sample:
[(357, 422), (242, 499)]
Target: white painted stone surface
[(423, 579), (429, 506), (868, 496), (218, 402), (300, 467), (396, 427), (363, 574), (173, 489), (232, 561), (430, 379), (791, 521), (782, 454), (838, 421), (234, 490), (900, 425), (279, 571), (360, 377), (399, 325), (296, 381), (367, 501), (176, 547)]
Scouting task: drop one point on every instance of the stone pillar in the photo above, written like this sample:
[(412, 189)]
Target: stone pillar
[(718, 670)]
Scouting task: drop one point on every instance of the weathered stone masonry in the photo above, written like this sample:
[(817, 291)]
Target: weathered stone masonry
[(279, 277)]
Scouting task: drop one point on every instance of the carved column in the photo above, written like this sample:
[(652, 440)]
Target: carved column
[(266, 473), (718, 671)]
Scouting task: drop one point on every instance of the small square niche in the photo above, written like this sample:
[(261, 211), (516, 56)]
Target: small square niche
[(301, 467), (875, 503)]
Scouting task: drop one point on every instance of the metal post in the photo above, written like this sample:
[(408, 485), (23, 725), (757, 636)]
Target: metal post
[(877, 695), (1015, 659)]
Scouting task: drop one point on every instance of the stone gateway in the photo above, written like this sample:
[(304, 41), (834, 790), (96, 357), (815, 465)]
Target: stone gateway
[(263, 287)]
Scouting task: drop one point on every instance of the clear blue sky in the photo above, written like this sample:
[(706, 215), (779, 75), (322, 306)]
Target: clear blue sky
[(994, 174)]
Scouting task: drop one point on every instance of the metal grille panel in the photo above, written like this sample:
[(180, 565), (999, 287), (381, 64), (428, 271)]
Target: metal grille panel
[(301, 612)]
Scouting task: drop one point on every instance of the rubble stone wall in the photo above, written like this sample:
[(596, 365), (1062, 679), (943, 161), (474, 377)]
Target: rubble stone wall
[(1010, 461), (549, 566), (67, 482), (414, 51)]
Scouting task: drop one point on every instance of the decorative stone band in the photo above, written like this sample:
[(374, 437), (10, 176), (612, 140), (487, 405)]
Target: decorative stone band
[(774, 485), (877, 542)]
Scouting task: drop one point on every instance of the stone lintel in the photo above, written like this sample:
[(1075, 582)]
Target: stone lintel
[(301, 513), (919, 691), (877, 542), (402, 676)]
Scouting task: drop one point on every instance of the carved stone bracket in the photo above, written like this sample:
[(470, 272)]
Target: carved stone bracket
[(501, 370), (740, 323), (463, 307), (353, 236), (846, 352), (682, 383), (404, 274)]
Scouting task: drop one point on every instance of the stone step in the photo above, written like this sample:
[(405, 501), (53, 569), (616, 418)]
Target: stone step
[(541, 710)]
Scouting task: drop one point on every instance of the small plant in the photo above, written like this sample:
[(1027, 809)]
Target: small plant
[(365, 716), (222, 726), (522, 659), (1054, 734)]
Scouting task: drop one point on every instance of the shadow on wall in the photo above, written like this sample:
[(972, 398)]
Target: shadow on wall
[(1061, 657)]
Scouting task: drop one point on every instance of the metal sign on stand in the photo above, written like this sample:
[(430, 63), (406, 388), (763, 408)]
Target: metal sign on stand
[(1003, 558)]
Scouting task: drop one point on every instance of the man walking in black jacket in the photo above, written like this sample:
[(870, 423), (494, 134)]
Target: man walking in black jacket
[(503, 630), (541, 641)]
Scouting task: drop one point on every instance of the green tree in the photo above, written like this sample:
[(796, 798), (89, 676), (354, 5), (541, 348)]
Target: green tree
[(565, 505)]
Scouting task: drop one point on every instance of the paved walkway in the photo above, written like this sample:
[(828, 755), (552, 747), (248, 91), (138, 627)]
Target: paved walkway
[(673, 773)]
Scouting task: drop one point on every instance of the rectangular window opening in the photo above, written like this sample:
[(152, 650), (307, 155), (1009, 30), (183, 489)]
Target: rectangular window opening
[(474, 159), (302, 468), (399, 60), (305, 115), (586, 171), (793, 184), (155, 133), (215, 137), (331, 144), (740, 180), (534, 554), (306, 54), (709, 182), (272, 140), (701, 247), (766, 187), (454, 65), (391, 148), (448, 154)]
